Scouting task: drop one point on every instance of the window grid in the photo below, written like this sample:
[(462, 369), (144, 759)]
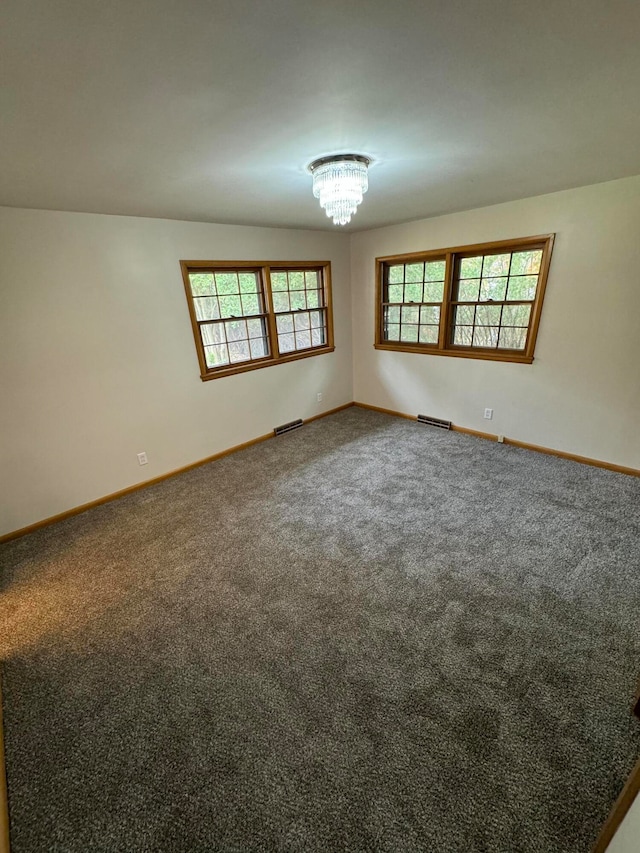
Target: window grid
[(246, 316), (300, 310), (489, 306), (484, 322), (413, 294), (230, 314)]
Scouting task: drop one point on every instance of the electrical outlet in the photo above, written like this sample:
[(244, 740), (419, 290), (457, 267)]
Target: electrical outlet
[(501, 439), (142, 458), (319, 397), (488, 413)]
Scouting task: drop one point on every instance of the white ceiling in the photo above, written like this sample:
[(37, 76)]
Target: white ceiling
[(210, 110)]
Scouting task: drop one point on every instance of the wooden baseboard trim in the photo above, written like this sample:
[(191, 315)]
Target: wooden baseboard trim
[(584, 460), (562, 454), (385, 411), (4, 800), (45, 522), (330, 412), (619, 810), (53, 519), (489, 436)]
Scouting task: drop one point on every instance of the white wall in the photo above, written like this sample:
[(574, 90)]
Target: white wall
[(98, 362), (627, 838), (582, 393)]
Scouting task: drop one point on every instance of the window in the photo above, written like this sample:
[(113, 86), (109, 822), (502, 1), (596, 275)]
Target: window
[(250, 315), (479, 301)]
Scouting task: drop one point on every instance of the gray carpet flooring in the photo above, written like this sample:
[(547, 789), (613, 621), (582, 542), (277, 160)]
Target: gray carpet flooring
[(367, 635)]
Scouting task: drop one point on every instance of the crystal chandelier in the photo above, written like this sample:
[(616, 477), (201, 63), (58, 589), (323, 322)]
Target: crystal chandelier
[(340, 182)]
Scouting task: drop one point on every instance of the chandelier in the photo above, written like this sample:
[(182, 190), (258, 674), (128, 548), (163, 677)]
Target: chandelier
[(340, 182)]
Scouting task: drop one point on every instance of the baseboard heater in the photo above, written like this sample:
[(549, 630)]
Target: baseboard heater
[(288, 427), (436, 422)]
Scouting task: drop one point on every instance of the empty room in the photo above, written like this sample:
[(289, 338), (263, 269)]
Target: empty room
[(319, 427)]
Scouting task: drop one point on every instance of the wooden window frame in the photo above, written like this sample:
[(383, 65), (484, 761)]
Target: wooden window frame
[(452, 256), (263, 270)]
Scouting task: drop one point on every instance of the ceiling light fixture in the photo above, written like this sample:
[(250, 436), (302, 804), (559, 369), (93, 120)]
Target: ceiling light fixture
[(340, 182)]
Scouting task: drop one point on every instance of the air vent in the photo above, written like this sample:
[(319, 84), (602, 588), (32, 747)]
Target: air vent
[(288, 427), (437, 422)]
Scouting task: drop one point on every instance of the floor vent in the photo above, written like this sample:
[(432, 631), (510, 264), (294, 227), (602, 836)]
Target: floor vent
[(288, 427), (437, 422)]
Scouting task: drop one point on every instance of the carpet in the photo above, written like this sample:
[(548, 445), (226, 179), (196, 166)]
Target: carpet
[(366, 635)]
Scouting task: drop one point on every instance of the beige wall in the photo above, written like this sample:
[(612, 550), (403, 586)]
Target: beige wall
[(97, 358), (627, 838), (582, 393)]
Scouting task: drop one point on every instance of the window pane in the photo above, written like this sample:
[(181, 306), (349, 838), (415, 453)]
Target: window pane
[(202, 283), (393, 332), (216, 356), (296, 281), (227, 283), (258, 348), (469, 290), (409, 334), (392, 313), (236, 330), (463, 335), (488, 315), (239, 351), (248, 282), (317, 337), (526, 263), (256, 328), (485, 336), (471, 267), (512, 338), (298, 299), (396, 292), (496, 265), (279, 281), (413, 292), (430, 314), (414, 272), (433, 291), (281, 301), (317, 319), (207, 307), (428, 334), (410, 314), (230, 306), (313, 299), (213, 333), (396, 274), (465, 315), (493, 288), (522, 287), (284, 323), (303, 340), (301, 322), (311, 280), (251, 304), (286, 343), (434, 270), (516, 315)]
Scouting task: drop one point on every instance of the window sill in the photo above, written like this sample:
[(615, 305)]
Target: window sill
[(459, 353), (217, 373)]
